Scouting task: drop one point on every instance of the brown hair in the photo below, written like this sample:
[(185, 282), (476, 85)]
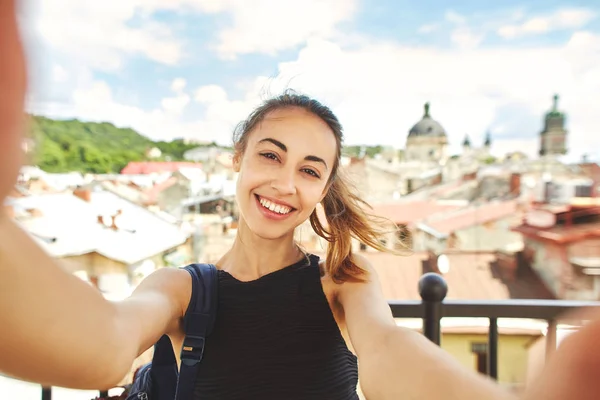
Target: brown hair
[(345, 212)]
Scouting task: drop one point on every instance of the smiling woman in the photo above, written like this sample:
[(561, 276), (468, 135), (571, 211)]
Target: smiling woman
[(286, 320), (288, 153)]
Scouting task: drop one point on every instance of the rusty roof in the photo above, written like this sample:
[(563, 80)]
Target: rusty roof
[(471, 216), (411, 212), (471, 277)]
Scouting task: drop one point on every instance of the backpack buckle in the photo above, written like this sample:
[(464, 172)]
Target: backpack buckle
[(192, 350)]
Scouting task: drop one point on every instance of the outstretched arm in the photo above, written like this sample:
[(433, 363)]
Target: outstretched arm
[(54, 328), (572, 371), (58, 330), (397, 363)]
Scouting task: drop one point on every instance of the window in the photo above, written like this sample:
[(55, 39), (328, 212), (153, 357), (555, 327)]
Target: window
[(583, 191), (480, 350)]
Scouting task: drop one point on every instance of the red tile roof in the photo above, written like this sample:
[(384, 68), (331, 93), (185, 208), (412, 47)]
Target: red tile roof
[(471, 277), (143, 167), (566, 229), (562, 234), (154, 191), (406, 213), (412, 212), (471, 216)]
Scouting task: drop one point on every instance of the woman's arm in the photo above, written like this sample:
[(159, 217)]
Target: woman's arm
[(54, 328), (58, 330), (397, 363), (572, 371)]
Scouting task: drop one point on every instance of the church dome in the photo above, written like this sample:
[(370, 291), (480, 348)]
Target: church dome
[(427, 126)]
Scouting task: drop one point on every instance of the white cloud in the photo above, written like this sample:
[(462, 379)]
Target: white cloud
[(95, 102), (462, 35), (567, 18), (465, 38), (269, 26), (454, 17), (99, 33), (178, 85), (210, 93), (59, 74), (427, 28), (177, 104), (378, 91), (257, 26)]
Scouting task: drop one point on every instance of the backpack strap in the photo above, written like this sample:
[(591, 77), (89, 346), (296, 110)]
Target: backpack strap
[(198, 323), (163, 370)]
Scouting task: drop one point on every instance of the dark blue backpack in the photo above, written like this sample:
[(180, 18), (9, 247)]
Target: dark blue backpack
[(159, 379)]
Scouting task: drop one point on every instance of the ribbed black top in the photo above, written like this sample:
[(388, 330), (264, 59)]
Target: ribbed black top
[(276, 338)]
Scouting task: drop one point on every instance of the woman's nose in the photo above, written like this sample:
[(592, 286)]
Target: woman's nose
[(284, 183)]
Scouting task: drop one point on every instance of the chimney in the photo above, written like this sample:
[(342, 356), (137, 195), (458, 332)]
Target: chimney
[(83, 194), (506, 266), (515, 184), (429, 264)]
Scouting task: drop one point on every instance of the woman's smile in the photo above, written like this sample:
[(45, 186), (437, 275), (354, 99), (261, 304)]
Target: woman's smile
[(272, 209)]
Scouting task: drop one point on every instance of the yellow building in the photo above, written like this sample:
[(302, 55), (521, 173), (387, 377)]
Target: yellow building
[(469, 346)]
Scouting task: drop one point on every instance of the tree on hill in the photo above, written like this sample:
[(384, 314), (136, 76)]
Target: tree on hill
[(73, 145), (355, 151)]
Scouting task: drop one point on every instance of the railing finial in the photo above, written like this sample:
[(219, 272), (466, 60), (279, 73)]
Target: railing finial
[(433, 287)]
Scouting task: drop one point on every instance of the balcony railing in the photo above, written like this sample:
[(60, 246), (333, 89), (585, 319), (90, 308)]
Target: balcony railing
[(433, 307)]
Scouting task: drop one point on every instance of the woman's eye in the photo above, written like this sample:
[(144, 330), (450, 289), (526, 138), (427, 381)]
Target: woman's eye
[(311, 172), (271, 156)]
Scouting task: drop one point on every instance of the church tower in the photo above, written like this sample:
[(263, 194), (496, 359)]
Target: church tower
[(487, 144), (553, 139), (466, 146), (427, 140), (467, 142)]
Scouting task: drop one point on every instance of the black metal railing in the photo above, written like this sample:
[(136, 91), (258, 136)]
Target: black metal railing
[(433, 307)]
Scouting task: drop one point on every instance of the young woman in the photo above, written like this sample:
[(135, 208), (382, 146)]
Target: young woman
[(286, 320)]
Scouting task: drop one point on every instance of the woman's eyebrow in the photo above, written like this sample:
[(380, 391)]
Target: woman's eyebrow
[(283, 147)]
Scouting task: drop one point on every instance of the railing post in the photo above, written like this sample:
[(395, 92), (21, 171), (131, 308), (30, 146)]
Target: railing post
[(433, 290), (46, 393), (551, 339), (492, 367)]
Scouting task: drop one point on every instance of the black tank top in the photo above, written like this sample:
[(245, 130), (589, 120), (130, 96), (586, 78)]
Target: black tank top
[(276, 338)]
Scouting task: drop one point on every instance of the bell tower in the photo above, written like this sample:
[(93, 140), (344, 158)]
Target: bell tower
[(553, 139)]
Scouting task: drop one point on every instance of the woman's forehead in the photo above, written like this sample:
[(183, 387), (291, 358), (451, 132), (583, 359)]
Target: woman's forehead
[(291, 123)]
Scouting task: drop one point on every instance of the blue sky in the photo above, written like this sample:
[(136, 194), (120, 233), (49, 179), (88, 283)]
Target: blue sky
[(194, 68)]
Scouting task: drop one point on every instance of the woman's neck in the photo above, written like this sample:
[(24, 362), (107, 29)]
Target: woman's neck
[(251, 256)]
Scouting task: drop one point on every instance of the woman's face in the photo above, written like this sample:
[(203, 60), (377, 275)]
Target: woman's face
[(284, 171)]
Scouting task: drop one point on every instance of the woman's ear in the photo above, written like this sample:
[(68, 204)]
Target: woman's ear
[(237, 161)]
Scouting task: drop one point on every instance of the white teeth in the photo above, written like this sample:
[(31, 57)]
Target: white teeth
[(278, 208)]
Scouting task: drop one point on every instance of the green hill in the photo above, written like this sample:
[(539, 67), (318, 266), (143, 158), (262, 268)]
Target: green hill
[(72, 145)]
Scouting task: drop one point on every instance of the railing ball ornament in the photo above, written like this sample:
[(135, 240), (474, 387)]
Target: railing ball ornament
[(433, 287)]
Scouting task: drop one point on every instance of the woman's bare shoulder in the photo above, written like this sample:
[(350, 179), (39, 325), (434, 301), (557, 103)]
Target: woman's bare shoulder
[(173, 283)]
